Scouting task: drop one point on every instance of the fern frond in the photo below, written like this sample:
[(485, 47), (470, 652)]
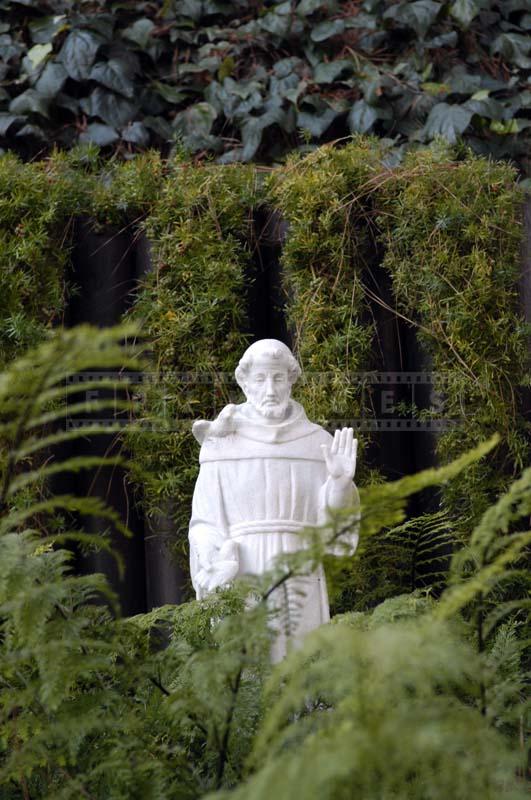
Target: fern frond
[(73, 465), (82, 407), (36, 444), (387, 501), (88, 506), (501, 610), (458, 596), (361, 714), (511, 507)]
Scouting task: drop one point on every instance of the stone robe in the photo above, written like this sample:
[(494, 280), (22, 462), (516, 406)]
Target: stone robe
[(258, 485)]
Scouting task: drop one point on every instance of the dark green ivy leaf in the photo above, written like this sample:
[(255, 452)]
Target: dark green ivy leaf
[(9, 50), (464, 11), (448, 121), (114, 74), (325, 30), (7, 121), (160, 127), (272, 115), (111, 108), (307, 7), (65, 101), (331, 71), (510, 6), (190, 8), (30, 102), (78, 53), (514, 48), (195, 124), (485, 107), (172, 94), (277, 21), (462, 82), (444, 40), (419, 15), (44, 29), (287, 66), (139, 32), (252, 130), (281, 86), (316, 124), (52, 79), (136, 133), (362, 117), (101, 135), (31, 131)]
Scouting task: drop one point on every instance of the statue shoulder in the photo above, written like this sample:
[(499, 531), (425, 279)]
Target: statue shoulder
[(321, 433), (235, 447), (220, 427)]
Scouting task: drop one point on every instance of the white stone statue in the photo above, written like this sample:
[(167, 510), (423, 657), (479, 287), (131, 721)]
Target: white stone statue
[(267, 472)]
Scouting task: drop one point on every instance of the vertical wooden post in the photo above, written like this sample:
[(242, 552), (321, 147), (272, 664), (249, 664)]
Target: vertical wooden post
[(103, 269), (265, 295)]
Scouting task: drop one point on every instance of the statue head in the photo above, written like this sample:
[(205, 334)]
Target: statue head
[(266, 373)]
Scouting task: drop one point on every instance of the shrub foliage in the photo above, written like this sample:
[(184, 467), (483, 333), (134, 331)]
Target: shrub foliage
[(183, 702), (253, 80), (348, 212)]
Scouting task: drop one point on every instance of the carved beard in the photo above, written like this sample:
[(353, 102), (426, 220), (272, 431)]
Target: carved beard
[(269, 411)]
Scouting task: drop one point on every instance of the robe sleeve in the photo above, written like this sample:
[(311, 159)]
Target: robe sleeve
[(213, 556), (334, 495)]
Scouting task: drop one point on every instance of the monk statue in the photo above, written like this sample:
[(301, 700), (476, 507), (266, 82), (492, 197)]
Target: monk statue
[(265, 473)]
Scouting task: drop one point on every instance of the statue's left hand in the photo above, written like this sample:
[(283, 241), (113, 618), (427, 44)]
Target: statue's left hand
[(340, 456), (218, 566)]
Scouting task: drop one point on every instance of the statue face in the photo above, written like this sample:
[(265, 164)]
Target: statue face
[(267, 387)]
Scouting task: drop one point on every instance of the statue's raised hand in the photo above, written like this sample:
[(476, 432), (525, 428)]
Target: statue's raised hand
[(340, 456)]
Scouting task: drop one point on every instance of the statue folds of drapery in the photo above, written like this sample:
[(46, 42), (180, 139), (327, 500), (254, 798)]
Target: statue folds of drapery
[(266, 472)]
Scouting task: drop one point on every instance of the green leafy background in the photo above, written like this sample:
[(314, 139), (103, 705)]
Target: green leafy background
[(345, 208), (251, 80)]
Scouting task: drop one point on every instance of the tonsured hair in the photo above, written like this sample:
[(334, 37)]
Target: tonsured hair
[(267, 348)]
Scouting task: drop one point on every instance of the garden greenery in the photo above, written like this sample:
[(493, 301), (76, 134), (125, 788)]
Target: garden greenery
[(446, 228), (39, 205), (193, 306), (448, 233), (452, 234), (253, 80), (32, 258), (402, 702)]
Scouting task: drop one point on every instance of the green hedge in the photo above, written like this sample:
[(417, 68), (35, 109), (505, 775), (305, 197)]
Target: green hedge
[(452, 234), (449, 228), (39, 203), (327, 249), (193, 311)]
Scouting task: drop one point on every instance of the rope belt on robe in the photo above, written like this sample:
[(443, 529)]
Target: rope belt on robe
[(268, 526)]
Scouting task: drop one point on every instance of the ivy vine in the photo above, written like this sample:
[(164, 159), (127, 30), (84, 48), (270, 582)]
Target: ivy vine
[(254, 79)]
